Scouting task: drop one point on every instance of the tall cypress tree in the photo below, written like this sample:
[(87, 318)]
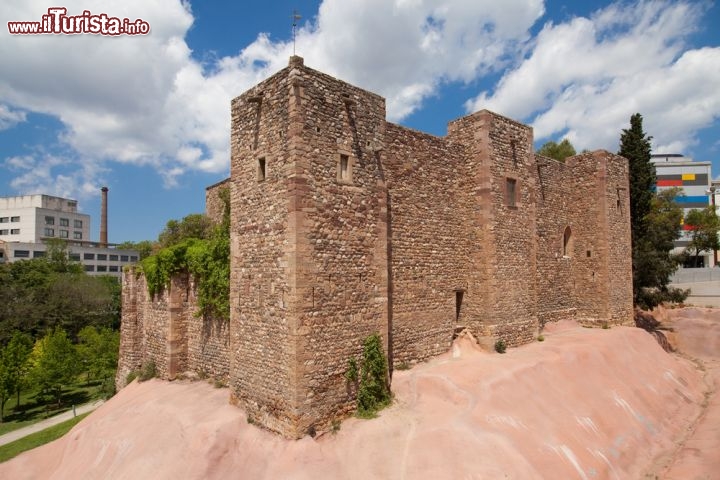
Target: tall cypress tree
[(635, 146), (654, 221)]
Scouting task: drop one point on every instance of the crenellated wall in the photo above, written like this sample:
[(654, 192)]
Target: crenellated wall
[(344, 225)]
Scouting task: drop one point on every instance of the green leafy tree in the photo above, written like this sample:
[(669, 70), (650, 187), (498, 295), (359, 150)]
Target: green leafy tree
[(98, 350), (703, 225), (42, 293), (55, 363), (13, 368), (145, 248), (653, 265), (558, 151), (654, 221), (195, 225)]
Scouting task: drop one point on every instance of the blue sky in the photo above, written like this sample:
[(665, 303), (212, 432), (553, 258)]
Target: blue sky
[(148, 116)]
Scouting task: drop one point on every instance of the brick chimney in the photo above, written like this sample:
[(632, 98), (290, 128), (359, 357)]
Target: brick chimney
[(103, 218)]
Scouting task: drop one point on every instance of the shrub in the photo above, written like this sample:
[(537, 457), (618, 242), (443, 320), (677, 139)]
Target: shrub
[(147, 371), (500, 346), (373, 390), (131, 376)]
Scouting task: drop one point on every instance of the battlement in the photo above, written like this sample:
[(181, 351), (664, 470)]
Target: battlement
[(344, 225)]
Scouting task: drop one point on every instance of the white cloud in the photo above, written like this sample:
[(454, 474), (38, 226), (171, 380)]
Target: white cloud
[(585, 78), (145, 99), (9, 117)]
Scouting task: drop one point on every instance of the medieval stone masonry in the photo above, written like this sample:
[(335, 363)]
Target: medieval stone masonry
[(344, 225)]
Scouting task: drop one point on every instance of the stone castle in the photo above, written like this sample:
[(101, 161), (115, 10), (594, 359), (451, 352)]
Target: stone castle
[(344, 225)]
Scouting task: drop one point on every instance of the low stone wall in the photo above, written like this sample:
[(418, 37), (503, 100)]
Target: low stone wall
[(165, 329)]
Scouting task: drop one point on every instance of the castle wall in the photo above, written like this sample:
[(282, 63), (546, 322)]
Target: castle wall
[(165, 330), (344, 225), (430, 239), (499, 152), (262, 321), (341, 238), (214, 205)]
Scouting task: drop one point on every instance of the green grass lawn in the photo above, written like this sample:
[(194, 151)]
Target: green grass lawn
[(37, 439), (33, 408)]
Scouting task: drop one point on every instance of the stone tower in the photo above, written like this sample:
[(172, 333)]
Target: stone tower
[(309, 244)]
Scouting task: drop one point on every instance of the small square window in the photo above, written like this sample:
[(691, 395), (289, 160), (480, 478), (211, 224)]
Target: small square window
[(74, 257), (89, 268), (15, 231), (102, 256), (64, 234), (49, 232), (123, 258), (511, 192), (49, 220), (4, 219), (77, 235), (261, 169), (113, 268), (64, 222), (113, 258), (4, 232), (102, 268), (133, 258), (14, 219), (21, 254), (77, 223), (38, 254), (88, 256)]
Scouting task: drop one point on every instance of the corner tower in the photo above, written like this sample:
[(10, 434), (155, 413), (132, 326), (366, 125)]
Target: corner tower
[(308, 244)]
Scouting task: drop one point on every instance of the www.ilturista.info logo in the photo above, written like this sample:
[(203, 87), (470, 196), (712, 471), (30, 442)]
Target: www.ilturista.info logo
[(58, 22)]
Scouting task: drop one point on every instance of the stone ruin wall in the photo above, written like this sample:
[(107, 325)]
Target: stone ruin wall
[(431, 241), (165, 330), (420, 239), (214, 206)]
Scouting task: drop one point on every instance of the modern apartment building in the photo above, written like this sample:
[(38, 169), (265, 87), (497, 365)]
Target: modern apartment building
[(28, 221), (694, 178)]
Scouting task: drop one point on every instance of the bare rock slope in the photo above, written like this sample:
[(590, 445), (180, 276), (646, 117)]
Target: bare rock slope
[(585, 403)]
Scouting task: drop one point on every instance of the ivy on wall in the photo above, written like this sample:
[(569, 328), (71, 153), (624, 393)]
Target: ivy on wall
[(208, 260)]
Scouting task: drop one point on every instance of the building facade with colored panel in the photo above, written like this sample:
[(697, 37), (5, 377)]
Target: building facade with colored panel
[(694, 178)]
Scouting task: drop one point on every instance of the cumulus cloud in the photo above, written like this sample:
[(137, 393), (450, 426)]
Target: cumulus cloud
[(146, 100), (583, 79)]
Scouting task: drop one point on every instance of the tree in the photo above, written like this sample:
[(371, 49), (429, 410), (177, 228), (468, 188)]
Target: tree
[(98, 350), (653, 264), (145, 248), (195, 225), (654, 222), (13, 368), (703, 226), (635, 146), (42, 293), (558, 151), (54, 363)]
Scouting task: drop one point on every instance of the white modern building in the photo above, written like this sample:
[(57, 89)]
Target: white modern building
[(695, 180), (28, 221)]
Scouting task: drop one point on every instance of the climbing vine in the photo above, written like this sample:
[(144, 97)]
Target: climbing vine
[(207, 259)]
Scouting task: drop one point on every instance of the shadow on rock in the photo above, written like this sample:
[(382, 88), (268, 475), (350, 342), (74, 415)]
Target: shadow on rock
[(650, 324)]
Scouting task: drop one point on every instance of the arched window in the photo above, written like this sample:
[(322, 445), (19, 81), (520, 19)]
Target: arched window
[(567, 242)]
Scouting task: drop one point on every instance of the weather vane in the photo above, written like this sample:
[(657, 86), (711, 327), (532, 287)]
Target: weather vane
[(295, 18)]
